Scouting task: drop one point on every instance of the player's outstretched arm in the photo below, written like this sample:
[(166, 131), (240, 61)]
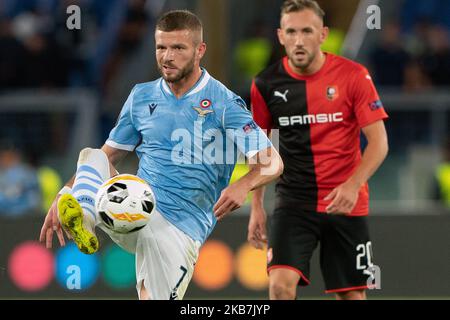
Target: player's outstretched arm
[(51, 222), (266, 166)]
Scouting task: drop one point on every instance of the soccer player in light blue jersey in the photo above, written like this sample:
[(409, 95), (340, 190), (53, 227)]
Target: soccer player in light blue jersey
[(187, 130)]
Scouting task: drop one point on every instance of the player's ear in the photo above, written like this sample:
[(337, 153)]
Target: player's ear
[(324, 34), (201, 50), (280, 36)]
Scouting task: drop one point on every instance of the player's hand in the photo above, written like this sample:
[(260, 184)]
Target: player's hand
[(52, 224), (257, 228), (343, 199), (231, 198)]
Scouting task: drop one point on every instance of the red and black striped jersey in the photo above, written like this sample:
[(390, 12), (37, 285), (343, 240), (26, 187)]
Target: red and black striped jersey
[(319, 118)]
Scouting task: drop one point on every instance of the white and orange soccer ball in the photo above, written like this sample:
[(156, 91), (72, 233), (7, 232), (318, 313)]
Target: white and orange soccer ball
[(125, 203)]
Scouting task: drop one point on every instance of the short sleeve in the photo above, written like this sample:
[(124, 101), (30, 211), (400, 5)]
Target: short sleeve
[(367, 105), (260, 111), (124, 135), (240, 126)]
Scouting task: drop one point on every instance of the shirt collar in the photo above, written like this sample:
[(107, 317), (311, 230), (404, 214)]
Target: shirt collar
[(197, 87)]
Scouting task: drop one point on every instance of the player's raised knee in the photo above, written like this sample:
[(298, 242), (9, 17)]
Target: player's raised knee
[(94, 157), (87, 152), (84, 154)]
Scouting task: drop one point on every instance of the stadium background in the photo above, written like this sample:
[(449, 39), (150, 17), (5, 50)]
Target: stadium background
[(61, 90)]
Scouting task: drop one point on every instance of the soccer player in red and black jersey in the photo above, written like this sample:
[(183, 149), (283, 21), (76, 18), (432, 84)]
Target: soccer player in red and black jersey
[(320, 103)]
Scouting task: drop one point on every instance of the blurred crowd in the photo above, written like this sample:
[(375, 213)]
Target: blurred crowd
[(19, 187), (416, 61), (37, 50), (414, 51)]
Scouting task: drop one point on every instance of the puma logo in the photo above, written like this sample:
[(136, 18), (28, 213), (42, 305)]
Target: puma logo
[(281, 95)]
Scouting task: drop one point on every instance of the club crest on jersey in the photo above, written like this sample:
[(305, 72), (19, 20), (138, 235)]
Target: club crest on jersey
[(203, 110), (202, 113), (332, 93)]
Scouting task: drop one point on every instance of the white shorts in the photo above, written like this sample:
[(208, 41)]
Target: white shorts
[(165, 257)]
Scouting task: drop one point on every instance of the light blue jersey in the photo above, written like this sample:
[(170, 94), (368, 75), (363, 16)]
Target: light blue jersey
[(187, 147)]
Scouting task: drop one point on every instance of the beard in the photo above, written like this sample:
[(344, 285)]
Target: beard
[(309, 58), (180, 74)]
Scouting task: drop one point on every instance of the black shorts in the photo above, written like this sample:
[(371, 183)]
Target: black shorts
[(345, 247)]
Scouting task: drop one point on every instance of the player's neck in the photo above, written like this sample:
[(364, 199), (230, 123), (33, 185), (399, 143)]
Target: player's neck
[(312, 68), (179, 88)]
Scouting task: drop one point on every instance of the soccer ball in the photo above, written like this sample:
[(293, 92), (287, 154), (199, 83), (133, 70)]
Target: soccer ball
[(125, 203)]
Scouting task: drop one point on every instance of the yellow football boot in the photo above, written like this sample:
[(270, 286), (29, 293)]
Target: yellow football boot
[(71, 218)]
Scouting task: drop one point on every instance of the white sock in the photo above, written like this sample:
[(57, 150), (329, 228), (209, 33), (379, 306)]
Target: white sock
[(92, 171)]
